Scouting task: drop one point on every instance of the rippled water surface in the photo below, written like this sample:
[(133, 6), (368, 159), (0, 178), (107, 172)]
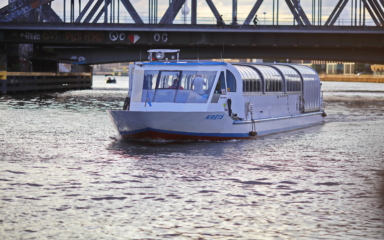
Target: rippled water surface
[(64, 174)]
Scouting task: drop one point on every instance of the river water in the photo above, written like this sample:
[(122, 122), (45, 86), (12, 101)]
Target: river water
[(65, 174)]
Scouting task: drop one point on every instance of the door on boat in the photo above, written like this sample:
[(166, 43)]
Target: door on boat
[(231, 91), (224, 91), (220, 89)]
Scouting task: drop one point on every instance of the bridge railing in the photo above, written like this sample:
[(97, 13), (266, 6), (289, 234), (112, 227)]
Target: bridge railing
[(208, 19)]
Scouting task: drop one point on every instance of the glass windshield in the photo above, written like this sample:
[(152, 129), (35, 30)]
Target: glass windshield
[(203, 81), (149, 84), (168, 80), (178, 86), (166, 86)]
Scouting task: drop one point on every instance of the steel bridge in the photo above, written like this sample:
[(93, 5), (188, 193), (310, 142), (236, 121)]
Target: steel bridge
[(359, 12), (102, 31)]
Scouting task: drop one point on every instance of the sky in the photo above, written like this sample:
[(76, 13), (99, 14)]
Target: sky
[(204, 15)]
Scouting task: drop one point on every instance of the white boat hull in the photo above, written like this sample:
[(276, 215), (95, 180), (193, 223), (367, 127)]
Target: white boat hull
[(202, 125)]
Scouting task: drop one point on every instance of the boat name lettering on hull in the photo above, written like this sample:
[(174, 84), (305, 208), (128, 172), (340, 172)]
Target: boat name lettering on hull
[(214, 117)]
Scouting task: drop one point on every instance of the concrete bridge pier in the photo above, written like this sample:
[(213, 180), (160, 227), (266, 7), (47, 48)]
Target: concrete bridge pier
[(24, 67)]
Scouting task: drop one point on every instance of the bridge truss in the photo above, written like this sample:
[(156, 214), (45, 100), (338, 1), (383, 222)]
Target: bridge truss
[(109, 12), (96, 30)]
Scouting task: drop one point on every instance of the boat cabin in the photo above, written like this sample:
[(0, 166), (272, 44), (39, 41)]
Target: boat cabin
[(242, 90)]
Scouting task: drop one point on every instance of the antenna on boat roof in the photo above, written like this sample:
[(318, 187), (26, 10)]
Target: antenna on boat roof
[(221, 56), (140, 56)]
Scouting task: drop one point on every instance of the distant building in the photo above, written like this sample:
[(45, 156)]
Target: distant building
[(345, 68), (340, 68), (377, 69)]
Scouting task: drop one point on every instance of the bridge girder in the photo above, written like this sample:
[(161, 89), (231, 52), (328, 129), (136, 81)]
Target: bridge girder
[(140, 35), (20, 8), (49, 14), (253, 12), (336, 12), (172, 11), (317, 43), (135, 16), (298, 13), (105, 35), (375, 11), (131, 54)]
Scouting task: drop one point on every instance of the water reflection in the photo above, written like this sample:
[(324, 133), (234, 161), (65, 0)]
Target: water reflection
[(65, 174), (209, 149)]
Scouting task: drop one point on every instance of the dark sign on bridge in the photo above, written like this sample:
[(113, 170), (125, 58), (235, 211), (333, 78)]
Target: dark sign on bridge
[(70, 37)]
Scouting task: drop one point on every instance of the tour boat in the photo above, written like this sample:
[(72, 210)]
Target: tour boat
[(208, 100)]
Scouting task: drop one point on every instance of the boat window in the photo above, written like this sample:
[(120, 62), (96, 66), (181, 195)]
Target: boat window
[(195, 86), (220, 86), (251, 79), (292, 78), (272, 79), (167, 84), (307, 73), (166, 79), (186, 79), (186, 85), (149, 84), (311, 88), (201, 86), (231, 82), (178, 86)]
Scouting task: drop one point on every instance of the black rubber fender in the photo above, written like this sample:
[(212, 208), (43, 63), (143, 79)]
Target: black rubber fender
[(127, 101), (229, 103)]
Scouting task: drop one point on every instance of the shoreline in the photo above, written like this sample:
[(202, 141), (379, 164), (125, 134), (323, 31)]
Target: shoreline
[(353, 78)]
